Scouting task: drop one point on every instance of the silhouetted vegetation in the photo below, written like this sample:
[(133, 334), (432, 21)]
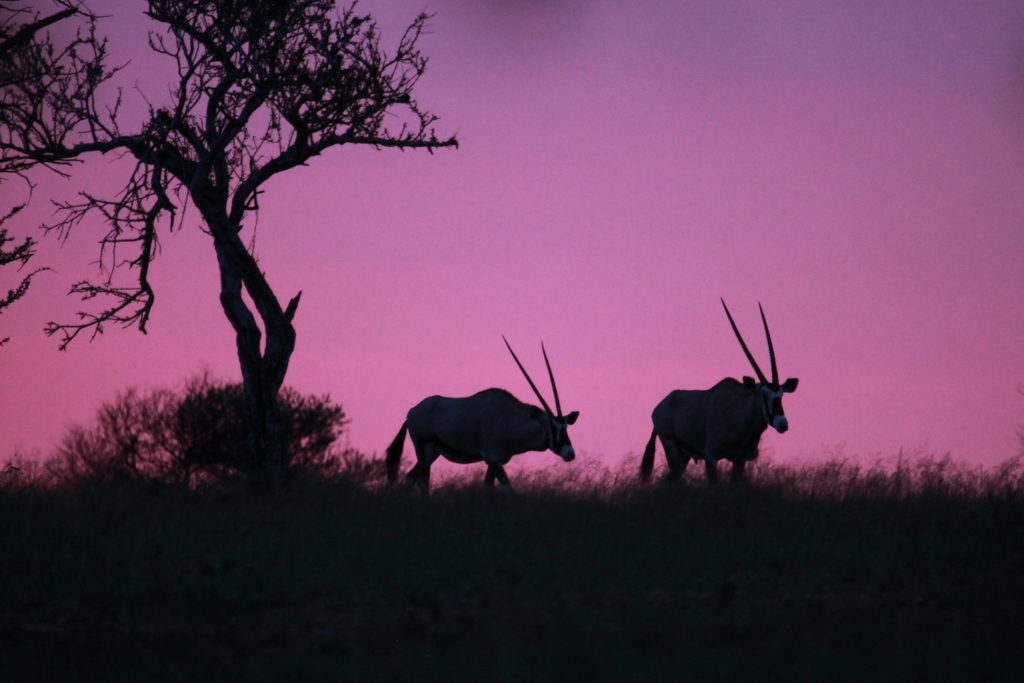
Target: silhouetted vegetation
[(197, 437), (909, 570)]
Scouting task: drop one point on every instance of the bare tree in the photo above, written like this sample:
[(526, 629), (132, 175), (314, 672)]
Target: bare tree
[(262, 86), (18, 28)]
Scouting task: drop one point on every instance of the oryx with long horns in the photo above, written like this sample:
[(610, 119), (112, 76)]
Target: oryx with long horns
[(490, 426), (723, 422)]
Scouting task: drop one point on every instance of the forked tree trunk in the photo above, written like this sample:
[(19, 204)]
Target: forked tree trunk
[(263, 370)]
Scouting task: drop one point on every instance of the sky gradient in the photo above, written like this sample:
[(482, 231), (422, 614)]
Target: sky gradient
[(857, 167)]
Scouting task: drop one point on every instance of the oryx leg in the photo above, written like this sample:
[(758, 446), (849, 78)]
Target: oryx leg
[(736, 475), (711, 469), (419, 476), (497, 472), (677, 459)]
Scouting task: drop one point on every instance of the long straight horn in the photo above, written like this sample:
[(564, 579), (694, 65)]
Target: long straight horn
[(771, 349), (551, 376), (750, 357), (527, 376)]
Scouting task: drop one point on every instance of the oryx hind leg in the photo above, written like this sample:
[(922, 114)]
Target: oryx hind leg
[(677, 459), (419, 475)]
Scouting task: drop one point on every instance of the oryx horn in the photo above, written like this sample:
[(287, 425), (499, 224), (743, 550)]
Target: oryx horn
[(750, 356), (551, 376), (527, 376), (771, 349)]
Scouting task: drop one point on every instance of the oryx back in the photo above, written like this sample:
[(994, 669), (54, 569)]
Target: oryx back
[(720, 422), (464, 430)]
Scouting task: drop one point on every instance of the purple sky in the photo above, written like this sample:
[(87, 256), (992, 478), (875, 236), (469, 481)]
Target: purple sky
[(857, 167)]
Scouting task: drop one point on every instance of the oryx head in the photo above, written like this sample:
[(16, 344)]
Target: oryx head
[(557, 425), (771, 392)]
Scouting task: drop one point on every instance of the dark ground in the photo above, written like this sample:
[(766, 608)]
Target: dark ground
[(783, 579)]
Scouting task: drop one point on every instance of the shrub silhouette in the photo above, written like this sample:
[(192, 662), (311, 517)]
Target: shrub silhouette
[(198, 435), (131, 440), (209, 429)]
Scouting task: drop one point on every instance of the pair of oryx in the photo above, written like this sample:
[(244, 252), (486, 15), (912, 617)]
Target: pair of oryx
[(723, 422)]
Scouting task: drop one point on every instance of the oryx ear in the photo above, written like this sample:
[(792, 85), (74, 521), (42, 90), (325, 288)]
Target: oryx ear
[(748, 381), (571, 417), (790, 384)]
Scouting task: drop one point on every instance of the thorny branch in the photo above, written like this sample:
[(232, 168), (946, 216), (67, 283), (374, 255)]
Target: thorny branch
[(22, 252), (262, 87)]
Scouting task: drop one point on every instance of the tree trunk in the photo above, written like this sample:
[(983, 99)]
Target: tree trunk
[(263, 371)]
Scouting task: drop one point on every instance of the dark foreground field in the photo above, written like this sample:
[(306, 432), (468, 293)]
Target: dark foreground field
[(815, 574)]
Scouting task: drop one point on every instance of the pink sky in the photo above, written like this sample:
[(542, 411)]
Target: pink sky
[(857, 167)]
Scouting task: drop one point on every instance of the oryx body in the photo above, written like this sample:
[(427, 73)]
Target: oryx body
[(724, 422), (491, 426)]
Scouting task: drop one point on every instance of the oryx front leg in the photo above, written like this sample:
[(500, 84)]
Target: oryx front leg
[(736, 475), (711, 470), (497, 472)]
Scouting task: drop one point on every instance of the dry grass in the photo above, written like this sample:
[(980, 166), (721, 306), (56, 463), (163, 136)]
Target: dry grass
[(907, 569)]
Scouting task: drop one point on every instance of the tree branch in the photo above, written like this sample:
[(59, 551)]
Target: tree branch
[(24, 35), (23, 253), (262, 87)]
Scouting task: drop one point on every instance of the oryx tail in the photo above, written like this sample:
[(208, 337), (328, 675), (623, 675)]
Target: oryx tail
[(394, 453), (647, 462)]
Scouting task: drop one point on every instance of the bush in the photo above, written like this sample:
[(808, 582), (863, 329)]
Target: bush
[(197, 435)]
